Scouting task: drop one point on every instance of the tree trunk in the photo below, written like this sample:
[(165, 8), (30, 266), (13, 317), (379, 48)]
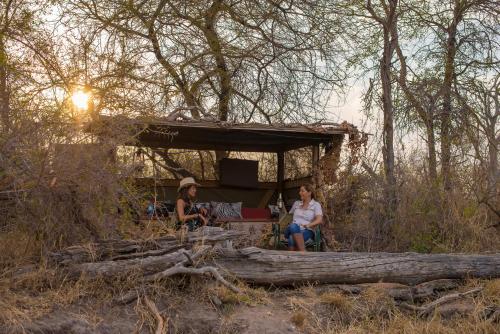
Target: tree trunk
[(388, 122), (445, 143), (449, 75), (431, 147), (493, 143), (261, 266), (493, 168), (4, 93), (389, 26), (388, 131), (223, 74)]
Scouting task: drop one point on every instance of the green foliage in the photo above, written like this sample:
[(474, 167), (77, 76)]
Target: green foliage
[(423, 242), (470, 210)]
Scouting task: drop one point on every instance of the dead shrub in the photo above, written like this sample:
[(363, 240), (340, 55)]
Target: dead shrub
[(427, 220), (62, 194)]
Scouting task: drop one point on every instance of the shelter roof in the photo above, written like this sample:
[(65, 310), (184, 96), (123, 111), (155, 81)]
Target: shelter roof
[(217, 135)]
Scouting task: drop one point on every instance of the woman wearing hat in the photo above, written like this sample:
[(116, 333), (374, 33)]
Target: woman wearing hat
[(187, 212)]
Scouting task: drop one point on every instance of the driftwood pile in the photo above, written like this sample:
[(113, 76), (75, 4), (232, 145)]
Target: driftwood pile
[(413, 276)]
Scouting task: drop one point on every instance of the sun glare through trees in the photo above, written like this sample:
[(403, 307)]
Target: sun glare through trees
[(80, 99)]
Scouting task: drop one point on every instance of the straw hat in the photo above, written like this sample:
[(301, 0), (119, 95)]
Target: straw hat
[(186, 182)]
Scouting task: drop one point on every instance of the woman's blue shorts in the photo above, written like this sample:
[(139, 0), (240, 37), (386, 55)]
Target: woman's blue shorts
[(293, 229)]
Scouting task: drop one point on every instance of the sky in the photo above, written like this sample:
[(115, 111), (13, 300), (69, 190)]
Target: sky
[(348, 108)]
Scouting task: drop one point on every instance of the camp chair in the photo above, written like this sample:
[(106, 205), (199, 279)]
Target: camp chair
[(315, 243)]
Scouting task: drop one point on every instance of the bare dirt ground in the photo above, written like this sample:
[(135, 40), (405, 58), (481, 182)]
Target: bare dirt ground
[(200, 306), (187, 316)]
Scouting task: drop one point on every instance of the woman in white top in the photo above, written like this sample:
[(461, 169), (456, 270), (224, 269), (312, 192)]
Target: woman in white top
[(307, 214)]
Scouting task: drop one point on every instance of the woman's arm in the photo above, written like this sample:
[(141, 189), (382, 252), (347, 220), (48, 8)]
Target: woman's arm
[(318, 220), (294, 206), (180, 212), (203, 211)]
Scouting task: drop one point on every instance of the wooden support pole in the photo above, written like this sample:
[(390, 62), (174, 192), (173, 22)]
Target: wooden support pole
[(315, 165), (281, 171), (315, 156)]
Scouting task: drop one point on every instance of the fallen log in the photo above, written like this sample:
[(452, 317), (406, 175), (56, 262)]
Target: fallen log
[(146, 266), (110, 249), (399, 292), (114, 249), (261, 266)]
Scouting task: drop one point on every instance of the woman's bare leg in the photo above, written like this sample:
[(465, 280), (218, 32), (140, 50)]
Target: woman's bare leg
[(298, 238)]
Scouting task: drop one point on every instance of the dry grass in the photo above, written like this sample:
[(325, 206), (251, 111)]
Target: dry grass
[(39, 292), (298, 319), (374, 311), (231, 300), (16, 248), (491, 291), (227, 296), (36, 294), (375, 303), (337, 301), (402, 324)]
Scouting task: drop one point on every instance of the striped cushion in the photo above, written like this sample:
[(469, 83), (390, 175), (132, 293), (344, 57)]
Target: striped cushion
[(223, 210)]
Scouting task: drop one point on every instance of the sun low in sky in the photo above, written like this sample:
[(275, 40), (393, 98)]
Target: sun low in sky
[(80, 99)]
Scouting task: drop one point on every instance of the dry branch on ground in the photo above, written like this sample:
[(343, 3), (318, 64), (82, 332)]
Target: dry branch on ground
[(427, 309)]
